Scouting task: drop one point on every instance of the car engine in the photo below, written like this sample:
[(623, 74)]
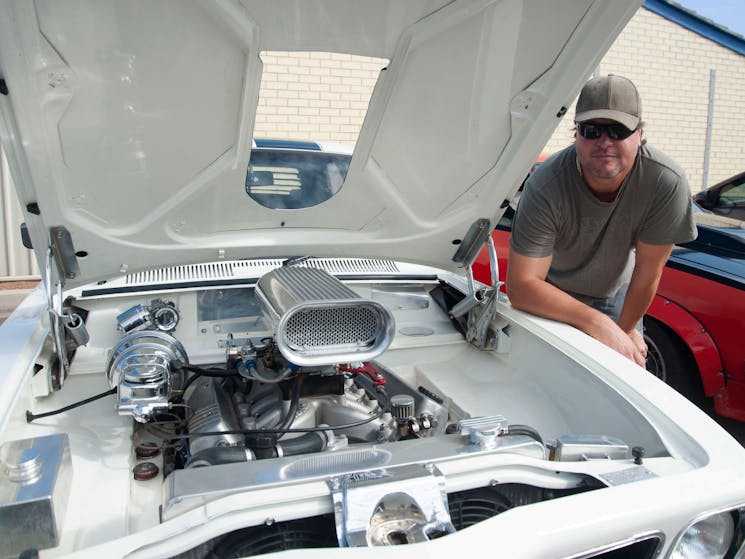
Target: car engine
[(311, 386)]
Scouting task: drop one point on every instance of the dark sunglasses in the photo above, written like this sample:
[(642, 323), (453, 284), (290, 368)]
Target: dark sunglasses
[(594, 131)]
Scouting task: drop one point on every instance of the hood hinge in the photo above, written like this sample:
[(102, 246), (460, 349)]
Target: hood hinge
[(64, 325), (472, 243), (60, 243), (485, 328)]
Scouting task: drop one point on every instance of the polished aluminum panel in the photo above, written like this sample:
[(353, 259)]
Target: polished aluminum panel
[(35, 476)]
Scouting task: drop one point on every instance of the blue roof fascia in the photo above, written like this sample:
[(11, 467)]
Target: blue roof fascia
[(697, 24), (286, 144)]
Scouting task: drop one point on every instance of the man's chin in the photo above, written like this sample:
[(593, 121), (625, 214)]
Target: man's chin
[(605, 173)]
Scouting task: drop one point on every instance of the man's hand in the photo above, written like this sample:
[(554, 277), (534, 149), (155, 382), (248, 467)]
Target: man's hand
[(639, 342), (529, 291), (629, 345)]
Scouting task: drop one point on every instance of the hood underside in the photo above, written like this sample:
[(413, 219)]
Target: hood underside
[(128, 125)]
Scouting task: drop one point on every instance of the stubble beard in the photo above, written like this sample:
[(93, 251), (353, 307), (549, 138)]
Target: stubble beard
[(601, 170)]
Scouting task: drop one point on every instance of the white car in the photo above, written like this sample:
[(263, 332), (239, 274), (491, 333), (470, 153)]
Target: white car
[(208, 371)]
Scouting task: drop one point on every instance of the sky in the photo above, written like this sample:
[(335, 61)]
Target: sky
[(728, 13)]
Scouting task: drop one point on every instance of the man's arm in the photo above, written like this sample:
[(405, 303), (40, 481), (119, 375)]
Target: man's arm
[(528, 290), (650, 262)]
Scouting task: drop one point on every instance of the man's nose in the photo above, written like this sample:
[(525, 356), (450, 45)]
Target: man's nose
[(604, 139)]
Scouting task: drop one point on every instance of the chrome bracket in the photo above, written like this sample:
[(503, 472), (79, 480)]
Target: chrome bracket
[(393, 506), (60, 242)]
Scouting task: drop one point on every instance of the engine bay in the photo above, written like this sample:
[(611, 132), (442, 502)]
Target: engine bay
[(261, 391)]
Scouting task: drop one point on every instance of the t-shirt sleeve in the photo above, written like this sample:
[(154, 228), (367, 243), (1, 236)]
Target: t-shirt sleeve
[(670, 217), (534, 228)]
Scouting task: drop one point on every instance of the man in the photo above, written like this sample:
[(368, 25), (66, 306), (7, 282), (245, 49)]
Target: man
[(597, 222)]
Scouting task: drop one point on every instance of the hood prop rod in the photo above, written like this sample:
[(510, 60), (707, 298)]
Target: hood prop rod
[(485, 329)]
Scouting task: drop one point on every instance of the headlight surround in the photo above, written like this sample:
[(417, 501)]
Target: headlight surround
[(710, 537)]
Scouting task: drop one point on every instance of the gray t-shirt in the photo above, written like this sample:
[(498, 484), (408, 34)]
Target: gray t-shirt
[(592, 241)]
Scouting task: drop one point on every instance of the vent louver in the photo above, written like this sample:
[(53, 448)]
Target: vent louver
[(255, 268)]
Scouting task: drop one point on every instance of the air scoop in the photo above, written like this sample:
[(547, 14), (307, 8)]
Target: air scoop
[(319, 321)]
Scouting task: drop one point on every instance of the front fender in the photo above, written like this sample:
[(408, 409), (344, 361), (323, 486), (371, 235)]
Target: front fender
[(693, 334)]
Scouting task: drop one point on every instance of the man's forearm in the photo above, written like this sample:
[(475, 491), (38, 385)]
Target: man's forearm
[(543, 299), (638, 298), (528, 290), (650, 261)]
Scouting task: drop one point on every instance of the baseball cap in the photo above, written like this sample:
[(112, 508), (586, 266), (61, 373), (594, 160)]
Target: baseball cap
[(611, 97)]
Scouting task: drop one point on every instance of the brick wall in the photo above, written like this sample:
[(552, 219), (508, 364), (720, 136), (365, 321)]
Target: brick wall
[(323, 97), (315, 95)]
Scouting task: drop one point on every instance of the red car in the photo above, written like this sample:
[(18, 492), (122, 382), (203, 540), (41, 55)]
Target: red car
[(695, 326)]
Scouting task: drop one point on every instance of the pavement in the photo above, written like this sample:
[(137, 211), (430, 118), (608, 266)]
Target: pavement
[(11, 294)]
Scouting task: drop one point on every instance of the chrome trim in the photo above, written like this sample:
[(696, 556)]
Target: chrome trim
[(594, 552), (739, 509)]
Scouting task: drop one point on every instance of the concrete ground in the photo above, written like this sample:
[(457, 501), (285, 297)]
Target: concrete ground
[(12, 293)]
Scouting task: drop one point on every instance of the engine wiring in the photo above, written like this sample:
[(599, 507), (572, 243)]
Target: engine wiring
[(34, 416), (198, 372), (294, 405)]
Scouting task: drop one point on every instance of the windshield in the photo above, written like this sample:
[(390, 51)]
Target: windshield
[(288, 179)]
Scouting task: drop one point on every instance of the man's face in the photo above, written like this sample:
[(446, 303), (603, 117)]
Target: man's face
[(603, 158)]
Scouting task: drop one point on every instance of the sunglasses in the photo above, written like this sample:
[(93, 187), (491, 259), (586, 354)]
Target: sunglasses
[(594, 131)]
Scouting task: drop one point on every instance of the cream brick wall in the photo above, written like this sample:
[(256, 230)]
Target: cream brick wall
[(315, 95), (323, 97)]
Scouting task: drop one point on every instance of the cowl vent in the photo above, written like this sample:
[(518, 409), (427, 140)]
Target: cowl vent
[(250, 269)]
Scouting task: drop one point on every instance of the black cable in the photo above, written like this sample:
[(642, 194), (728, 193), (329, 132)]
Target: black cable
[(199, 372), (524, 430), (187, 384), (202, 371), (294, 404), (32, 416)]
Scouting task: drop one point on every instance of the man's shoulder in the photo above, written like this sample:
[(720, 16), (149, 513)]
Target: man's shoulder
[(560, 163), (655, 160)]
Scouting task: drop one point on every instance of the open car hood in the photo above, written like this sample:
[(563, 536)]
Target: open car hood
[(128, 125)]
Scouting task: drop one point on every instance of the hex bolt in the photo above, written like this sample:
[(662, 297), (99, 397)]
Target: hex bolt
[(638, 453)]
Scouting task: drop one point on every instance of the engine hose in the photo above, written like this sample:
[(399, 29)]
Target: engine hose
[(221, 373), (250, 370), (310, 442), (198, 372), (524, 430), (294, 404), (382, 397), (219, 455)]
